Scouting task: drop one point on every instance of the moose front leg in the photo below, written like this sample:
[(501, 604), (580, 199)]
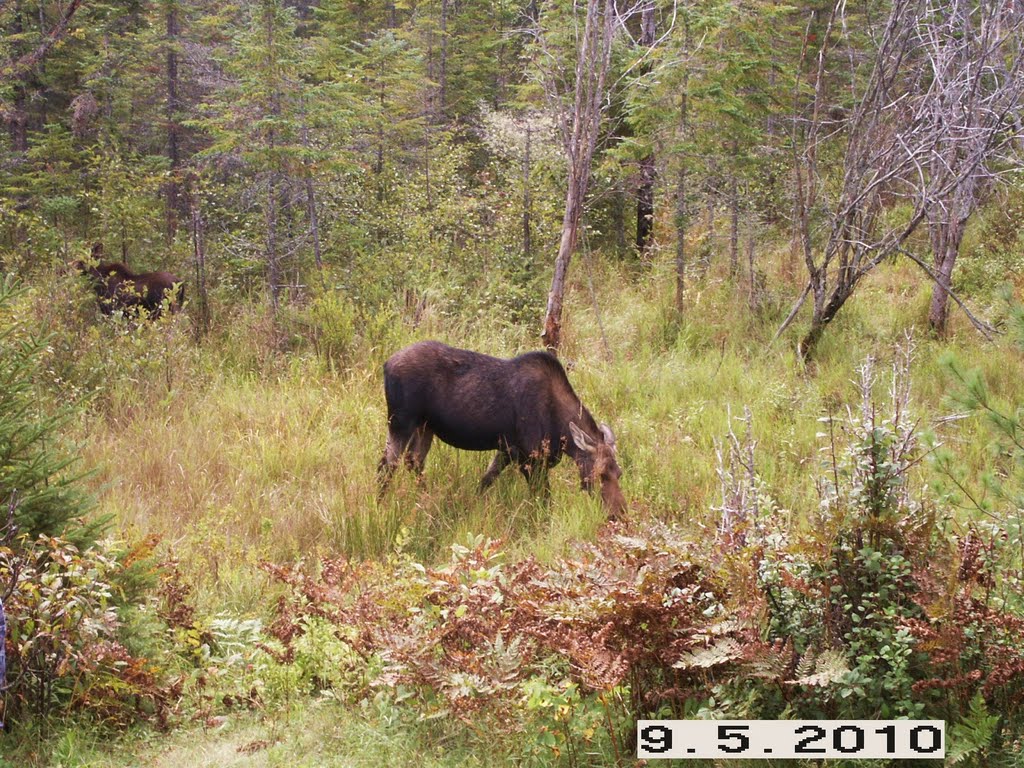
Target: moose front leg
[(535, 470)]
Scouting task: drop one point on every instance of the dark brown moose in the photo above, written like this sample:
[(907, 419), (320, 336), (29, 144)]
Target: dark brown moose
[(523, 408), (117, 287)]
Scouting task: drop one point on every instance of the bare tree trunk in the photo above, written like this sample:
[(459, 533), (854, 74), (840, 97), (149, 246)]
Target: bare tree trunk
[(682, 211), (682, 222), (704, 262), (201, 301), (314, 219), (592, 63), (442, 81), (527, 203), (426, 169), (734, 224), (552, 335), (645, 204), (756, 288), (173, 126), (17, 120), (273, 259), (648, 169), (945, 247), (618, 213), (273, 191)]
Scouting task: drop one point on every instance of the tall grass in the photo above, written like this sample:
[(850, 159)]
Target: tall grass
[(242, 447)]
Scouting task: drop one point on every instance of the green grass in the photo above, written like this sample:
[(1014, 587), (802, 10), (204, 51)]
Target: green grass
[(231, 465), (234, 454), (313, 734)]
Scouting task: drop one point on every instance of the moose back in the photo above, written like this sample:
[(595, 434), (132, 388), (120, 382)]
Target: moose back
[(118, 288)]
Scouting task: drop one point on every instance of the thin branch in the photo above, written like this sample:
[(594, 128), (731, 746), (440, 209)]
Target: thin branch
[(792, 315), (983, 328), (19, 68)]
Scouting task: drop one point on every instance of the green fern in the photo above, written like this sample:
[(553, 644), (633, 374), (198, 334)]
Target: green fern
[(972, 734)]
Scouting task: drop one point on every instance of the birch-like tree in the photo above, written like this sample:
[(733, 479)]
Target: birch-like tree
[(580, 124)]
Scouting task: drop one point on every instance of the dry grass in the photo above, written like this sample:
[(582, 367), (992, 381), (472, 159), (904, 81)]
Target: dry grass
[(242, 457)]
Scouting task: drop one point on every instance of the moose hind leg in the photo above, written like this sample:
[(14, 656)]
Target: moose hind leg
[(419, 446), (498, 463), (389, 461)]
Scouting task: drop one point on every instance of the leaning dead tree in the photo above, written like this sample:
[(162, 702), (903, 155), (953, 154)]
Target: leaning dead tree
[(975, 53), (22, 66), (894, 142), (579, 135)]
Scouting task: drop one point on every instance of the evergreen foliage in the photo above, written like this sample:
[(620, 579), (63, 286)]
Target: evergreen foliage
[(38, 478)]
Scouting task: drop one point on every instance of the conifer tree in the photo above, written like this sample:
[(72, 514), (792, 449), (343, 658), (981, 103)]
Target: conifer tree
[(37, 478)]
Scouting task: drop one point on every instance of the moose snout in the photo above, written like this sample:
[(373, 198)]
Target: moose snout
[(613, 499)]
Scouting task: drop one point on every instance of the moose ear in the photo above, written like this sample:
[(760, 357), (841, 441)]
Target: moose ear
[(608, 435), (583, 441)]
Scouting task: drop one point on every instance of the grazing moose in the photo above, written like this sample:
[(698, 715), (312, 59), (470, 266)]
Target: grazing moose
[(117, 287), (523, 408)]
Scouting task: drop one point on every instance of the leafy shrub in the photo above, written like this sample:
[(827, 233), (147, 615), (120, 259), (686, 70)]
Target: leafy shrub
[(484, 638), (64, 646), (333, 325)]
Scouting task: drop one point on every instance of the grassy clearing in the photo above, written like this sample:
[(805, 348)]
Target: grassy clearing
[(316, 734), (231, 465), (234, 455)]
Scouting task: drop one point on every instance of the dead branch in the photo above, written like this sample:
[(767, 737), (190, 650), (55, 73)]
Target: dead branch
[(982, 327), (20, 68)]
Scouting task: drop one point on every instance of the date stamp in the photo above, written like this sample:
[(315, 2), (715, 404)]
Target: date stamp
[(775, 739)]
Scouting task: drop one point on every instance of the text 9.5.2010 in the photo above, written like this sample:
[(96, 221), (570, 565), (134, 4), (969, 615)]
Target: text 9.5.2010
[(815, 739)]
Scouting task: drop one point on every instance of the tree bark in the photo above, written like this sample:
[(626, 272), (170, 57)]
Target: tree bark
[(273, 190), (552, 335), (648, 169), (946, 239), (273, 261), (311, 213), (442, 80), (16, 117), (618, 216), (202, 311), (756, 288), (645, 204), (173, 126), (681, 208), (592, 63), (734, 224), (527, 203)]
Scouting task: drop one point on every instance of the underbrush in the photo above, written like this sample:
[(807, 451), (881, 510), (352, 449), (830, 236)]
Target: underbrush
[(877, 601), (882, 607)]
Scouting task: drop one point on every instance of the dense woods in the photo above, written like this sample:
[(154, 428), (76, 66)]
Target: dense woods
[(776, 247)]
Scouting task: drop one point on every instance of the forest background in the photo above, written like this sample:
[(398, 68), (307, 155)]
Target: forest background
[(774, 244)]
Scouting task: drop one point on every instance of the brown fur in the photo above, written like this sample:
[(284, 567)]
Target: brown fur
[(523, 408), (118, 288)]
